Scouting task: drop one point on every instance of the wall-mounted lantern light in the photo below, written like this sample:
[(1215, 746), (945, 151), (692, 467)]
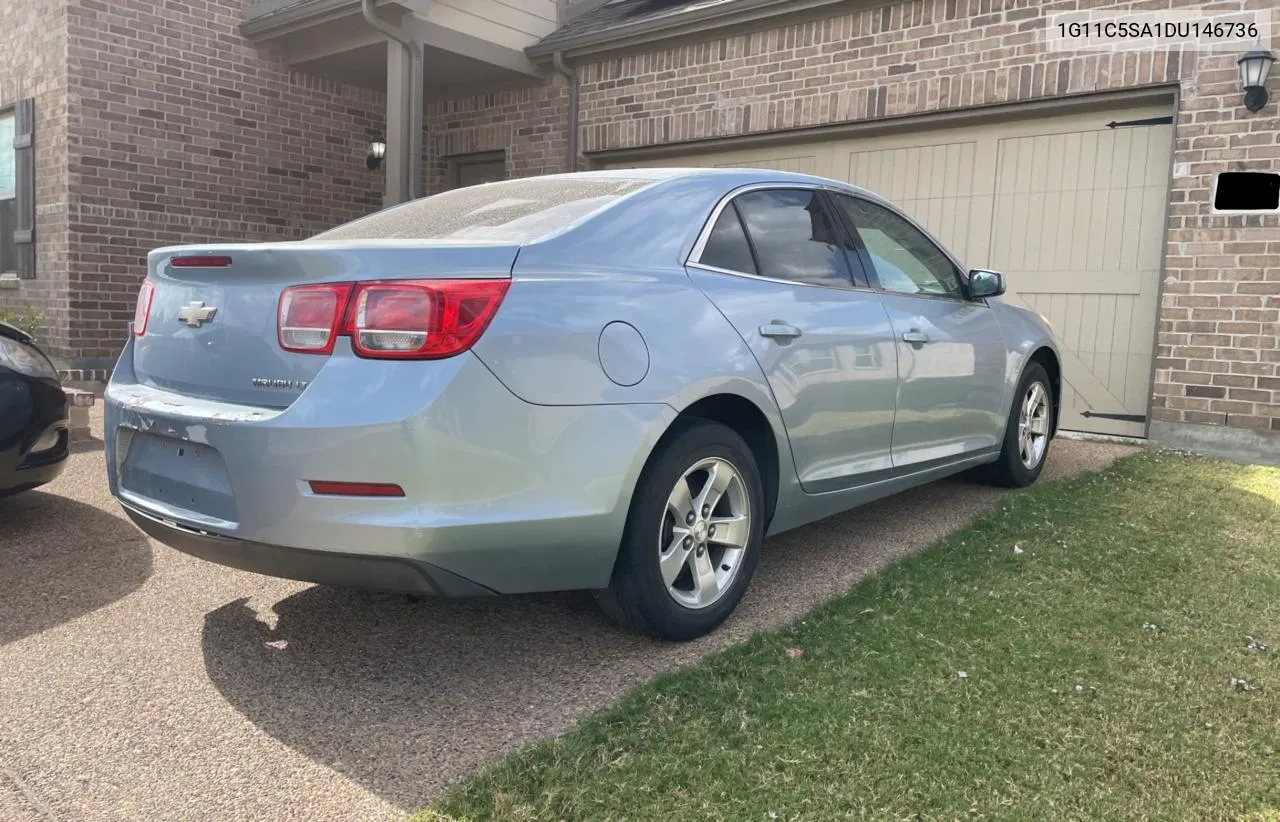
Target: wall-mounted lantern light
[(1254, 68), (377, 150)]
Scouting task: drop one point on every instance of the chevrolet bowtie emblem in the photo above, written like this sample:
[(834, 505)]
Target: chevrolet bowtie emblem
[(196, 314)]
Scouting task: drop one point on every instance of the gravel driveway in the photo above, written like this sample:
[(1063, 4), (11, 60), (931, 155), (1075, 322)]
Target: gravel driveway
[(139, 684)]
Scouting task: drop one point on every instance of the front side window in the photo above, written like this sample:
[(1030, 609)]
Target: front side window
[(794, 236), (8, 195), (905, 260)]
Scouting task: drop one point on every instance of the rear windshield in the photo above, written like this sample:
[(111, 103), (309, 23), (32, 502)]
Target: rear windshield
[(514, 211)]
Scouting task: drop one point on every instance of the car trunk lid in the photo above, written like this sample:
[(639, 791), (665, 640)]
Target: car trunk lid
[(211, 331)]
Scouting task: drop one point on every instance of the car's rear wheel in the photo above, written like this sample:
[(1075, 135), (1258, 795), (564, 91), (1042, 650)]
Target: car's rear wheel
[(1028, 432), (693, 534)]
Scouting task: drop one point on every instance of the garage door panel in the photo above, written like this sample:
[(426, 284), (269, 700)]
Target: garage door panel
[(803, 164), (1083, 248), (1073, 281), (932, 183), (798, 162), (1092, 228), (1102, 235), (1133, 213), (1058, 168), (1083, 324), (1098, 344), (1055, 244)]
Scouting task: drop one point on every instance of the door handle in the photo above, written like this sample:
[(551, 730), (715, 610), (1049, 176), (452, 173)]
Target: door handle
[(779, 329), (915, 337)]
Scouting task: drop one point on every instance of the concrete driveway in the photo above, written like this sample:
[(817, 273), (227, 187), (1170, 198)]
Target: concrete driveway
[(139, 684)]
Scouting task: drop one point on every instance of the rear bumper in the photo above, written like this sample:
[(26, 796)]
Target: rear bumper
[(500, 494), (344, 570)]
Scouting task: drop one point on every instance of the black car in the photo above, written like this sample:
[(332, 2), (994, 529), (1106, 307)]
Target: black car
[(34, 432)]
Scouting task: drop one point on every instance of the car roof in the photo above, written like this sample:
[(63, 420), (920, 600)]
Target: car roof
[(729, 176)]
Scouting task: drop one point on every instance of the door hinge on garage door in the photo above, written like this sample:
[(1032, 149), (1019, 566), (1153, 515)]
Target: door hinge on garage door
[(1139, 418), (1150, 121)]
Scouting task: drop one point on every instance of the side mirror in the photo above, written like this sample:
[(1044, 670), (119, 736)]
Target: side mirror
[(984, 284)]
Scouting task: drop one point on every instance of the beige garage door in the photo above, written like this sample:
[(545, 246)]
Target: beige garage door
[(1071, 210)]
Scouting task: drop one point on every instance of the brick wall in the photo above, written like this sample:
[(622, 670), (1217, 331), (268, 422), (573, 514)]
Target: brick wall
[(182, 131), (1218, 359), (530, 124), (32, 49)]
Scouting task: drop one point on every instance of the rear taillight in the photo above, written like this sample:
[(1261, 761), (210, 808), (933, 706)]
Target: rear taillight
[(142, 309), (424, 319), (309, 317), (408, 319)]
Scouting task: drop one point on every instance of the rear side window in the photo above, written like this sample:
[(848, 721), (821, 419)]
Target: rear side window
[(794, 237), (514, 211), (727, 245)]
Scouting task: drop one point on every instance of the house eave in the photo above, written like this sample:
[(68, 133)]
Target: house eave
[(272, 18), (698, 21)]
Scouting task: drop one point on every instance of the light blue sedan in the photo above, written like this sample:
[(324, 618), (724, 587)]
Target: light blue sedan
[(617, 381)]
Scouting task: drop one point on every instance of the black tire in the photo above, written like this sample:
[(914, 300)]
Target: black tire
[(1009, 471), (637, 596)]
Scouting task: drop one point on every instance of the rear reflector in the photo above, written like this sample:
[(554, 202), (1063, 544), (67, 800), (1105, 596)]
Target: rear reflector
[(142, 309), (309, 316), (355, 489)]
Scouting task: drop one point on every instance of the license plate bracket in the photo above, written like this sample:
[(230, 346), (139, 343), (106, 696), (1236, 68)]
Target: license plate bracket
[(178, 473)]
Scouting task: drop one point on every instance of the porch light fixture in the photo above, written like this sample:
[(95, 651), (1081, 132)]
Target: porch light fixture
[(377, 150), (1254, 68)]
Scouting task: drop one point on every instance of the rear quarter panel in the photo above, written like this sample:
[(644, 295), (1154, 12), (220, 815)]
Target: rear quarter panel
[(626, 265)]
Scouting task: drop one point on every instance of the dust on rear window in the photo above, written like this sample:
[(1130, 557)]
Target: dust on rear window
[(513, 211)]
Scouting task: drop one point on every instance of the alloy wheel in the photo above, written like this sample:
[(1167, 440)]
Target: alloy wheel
[(704, 532), (1033, 425)]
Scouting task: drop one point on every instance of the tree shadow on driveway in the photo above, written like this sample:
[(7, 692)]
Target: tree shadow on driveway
[(406, 698), (61, 559)]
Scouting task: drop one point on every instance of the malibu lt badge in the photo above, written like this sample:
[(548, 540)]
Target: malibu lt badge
[(273, 382)]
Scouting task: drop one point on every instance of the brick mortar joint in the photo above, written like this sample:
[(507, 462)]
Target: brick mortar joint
[(84, 374)]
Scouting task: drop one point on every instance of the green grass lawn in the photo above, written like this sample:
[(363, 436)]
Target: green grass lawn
[(1098, 679)]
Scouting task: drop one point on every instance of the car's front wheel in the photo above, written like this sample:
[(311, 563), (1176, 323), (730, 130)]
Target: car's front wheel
[(693, 534), (1027, 433)]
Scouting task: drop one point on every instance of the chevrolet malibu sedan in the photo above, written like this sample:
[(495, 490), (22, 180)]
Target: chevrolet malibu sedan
[(617, 381)]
